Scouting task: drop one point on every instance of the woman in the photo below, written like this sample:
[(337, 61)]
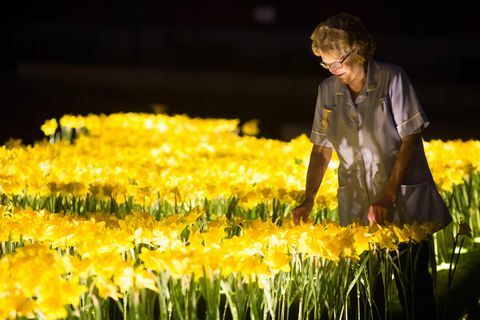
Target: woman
[(369, 113)]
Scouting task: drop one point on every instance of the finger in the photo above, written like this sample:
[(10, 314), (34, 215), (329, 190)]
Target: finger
[(295, 216), (386, 215), (371, 215), (305, 217), (381, 212), (375, 214), (378, 216)]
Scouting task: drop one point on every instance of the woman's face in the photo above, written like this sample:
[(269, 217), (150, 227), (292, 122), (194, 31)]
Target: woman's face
[(343, 65)]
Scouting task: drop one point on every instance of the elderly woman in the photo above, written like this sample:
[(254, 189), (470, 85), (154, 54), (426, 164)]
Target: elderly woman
[(369, 113)]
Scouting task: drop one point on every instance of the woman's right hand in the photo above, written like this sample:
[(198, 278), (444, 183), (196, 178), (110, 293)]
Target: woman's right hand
[(302, 211)]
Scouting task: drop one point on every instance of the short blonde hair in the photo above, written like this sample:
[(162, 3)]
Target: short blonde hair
[(342, 32)]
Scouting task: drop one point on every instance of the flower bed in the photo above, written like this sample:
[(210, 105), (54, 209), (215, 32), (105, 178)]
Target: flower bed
[(154, 216)]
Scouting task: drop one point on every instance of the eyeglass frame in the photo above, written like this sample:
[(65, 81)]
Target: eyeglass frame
[(330, 65)]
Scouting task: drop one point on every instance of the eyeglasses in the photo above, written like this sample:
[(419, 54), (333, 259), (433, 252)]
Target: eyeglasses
[(337, 64)]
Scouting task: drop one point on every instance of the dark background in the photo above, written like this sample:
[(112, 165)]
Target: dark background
[(214, 58)]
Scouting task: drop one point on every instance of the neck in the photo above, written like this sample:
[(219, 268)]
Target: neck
[(359, 80)]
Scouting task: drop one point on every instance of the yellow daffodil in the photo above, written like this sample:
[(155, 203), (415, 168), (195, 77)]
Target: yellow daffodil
[(49, 127)]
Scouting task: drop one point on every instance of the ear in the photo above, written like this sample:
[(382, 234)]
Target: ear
[(360, 59)]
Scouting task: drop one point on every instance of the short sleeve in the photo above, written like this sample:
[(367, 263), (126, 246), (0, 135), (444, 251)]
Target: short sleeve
[(318, 135), (408, 114)]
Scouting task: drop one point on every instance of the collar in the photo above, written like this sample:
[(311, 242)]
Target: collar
[(371, 83), (373, 75)]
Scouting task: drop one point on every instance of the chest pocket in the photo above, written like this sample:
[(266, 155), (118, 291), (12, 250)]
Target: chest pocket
[(386, 109), (384, 117)]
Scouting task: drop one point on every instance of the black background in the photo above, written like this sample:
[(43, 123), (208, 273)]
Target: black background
[(215, 58)]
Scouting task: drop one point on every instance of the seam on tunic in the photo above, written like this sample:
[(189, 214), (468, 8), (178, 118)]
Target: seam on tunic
[(412, 125), (404, 123), (318, 132), (320, 139)]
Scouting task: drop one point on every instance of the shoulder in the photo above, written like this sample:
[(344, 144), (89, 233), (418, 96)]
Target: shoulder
[(327, 91), (391, 70), (328, 85), (393, 75)]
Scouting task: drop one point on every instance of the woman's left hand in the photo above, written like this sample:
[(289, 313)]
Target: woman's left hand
[(379, 209)]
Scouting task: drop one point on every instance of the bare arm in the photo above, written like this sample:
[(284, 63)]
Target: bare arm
[(378, 210), (319, 159)]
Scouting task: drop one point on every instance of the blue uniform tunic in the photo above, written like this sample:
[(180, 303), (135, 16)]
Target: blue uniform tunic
[(366, 135)]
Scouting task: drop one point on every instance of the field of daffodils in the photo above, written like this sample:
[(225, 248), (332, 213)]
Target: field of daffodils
[(143, 216)]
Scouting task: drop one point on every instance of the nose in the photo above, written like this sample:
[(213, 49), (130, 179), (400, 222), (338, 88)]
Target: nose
[(334, 71)]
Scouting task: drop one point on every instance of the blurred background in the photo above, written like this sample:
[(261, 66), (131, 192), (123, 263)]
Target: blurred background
[(223, 58)]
